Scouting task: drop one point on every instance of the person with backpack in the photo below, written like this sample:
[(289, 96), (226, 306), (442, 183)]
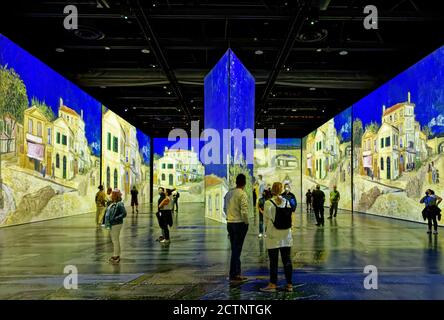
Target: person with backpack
[(277, 218), (166, 216), (431, 211)]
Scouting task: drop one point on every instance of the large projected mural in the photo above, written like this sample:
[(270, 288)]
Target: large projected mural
[(125, 157), (177, 166), (279, 160), (327, 158), (229, 105), (49, 141), (398, 135)]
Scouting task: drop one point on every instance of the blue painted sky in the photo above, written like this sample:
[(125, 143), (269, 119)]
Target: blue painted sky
[(343, 125), (425, 81), (46, 85), (161, 143), (144, 146), (284, 142)]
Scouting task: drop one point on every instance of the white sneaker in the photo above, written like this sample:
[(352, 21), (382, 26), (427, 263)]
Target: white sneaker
[(435, 232), (260, 235)]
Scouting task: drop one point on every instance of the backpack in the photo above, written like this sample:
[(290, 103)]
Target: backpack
[(282, 220)]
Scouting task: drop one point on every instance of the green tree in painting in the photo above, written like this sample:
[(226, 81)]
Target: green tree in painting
[(44, 108), (373, 127), (13, 99), (358, 131), (428, 131)]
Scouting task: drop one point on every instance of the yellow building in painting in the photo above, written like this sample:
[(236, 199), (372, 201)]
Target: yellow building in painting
[(37, 141), (63, 150), (121, 161), (177, 167), (323, 151), (396, 146)]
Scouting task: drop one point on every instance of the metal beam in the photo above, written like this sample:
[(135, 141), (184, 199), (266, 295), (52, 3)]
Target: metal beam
[(295, 27), (151, 38)]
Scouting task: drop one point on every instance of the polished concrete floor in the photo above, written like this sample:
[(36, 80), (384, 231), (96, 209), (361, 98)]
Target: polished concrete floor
[(329, 262)]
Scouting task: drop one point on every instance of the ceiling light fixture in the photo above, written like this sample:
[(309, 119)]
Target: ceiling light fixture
[(312, 89), (258, 52), (60, 50), (319, 50), (145, 51), (282, 123), (294, 110), (126, 110), (107, 48), (343, 53), (103, 87)]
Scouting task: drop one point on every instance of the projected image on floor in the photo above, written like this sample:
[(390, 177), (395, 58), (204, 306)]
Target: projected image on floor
[(327, 159), (179, 169), (49, 141), (398, 135)]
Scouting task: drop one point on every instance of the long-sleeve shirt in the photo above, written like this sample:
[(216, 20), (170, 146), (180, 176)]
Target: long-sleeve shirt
[(236, 206)]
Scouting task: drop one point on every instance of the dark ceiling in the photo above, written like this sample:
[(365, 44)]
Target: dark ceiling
[(291, 47)]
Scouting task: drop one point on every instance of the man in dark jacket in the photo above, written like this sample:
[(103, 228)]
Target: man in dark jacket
[(318, 197)]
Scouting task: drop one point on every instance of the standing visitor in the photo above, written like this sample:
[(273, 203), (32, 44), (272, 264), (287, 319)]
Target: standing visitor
[(159, 201), (100, 206), (134, 200), (308, 201), (431, 211), (290, 197), (166, 216), (434, 173), (261, 184), (113, 221), (236, 209), (334, 201), (318, 205), (176, 196), (53, 171), (261, 206), (277, 217)]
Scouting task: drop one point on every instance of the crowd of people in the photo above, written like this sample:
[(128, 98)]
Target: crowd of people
[(275, 206)]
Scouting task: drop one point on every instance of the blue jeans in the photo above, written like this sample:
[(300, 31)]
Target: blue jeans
[(237, 232)]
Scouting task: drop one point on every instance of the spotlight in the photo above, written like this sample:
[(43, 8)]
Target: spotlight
[(282, 123), (107, 48), (288, 69), (343, 53), (126, 109), (294, 110), (103, 87), (319, 50), (145, 51), (312, 89), (60, 50), (134, 108), (164, 87), (259, 52)]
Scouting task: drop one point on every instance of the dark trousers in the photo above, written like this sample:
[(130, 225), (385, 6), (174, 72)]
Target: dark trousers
[(176, 205), (273, 254), (432, 218), (319, 214), (237, 232), (165, 221), (334, 208), (261, 223), (308, 206)]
